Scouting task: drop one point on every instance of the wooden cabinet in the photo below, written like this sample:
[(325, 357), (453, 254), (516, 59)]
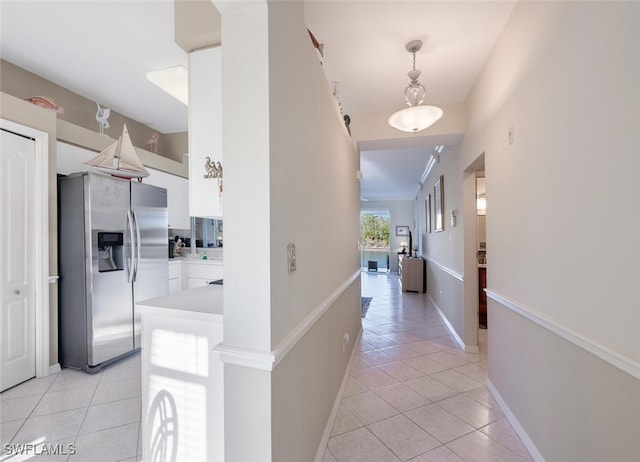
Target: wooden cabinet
[(411, 272), (205, 131), (482, 298)]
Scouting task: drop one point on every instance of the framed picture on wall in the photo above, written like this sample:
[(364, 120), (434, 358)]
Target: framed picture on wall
[(427, 213), (438, 204), (402, 230)]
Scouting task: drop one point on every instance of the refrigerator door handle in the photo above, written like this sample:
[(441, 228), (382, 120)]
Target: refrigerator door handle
[(138, 247), (130, 258)]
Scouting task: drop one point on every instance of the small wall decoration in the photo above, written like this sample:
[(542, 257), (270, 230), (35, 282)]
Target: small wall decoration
[(402, 230), (46, 103), (102, 117), (438, 204), (213, 169), (152, 144), (427, 213), (317, 45), (347, 123)]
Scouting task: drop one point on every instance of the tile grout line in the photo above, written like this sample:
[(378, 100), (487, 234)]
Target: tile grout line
[(34, 408), (480, 361), (135, 456), (86, 411)]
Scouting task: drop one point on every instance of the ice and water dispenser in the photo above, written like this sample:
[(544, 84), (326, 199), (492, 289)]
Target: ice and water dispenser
[(110, 251)]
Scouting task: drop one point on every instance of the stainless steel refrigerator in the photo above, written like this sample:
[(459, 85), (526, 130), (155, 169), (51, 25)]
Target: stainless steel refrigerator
[(113, 241)]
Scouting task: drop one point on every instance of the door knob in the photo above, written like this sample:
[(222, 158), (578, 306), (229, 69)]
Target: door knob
[(16, 292)]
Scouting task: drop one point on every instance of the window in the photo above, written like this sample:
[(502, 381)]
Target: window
[(374, 236)]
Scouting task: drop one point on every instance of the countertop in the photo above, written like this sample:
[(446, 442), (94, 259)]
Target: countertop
[(196, 302), (215, 261)]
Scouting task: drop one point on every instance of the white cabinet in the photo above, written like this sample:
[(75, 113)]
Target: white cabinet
[(182, 376), (174, 286), (70, 160), (205, 131), (187, 274), (175, 277), (177, 197), (201, 273)]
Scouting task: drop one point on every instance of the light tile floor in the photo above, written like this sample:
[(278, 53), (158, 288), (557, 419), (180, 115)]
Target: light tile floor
[(413, 394), (98, 414)]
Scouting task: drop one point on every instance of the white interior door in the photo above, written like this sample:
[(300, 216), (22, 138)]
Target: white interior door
[(17, 266)]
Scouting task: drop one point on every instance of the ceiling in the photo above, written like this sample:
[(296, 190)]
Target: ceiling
[(101, 49)]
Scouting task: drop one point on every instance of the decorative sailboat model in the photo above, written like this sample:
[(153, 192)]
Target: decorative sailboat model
[(120, 159)]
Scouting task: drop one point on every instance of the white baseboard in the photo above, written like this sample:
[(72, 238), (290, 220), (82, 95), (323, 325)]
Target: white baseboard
[(471, 349), (459, 341), (54, 369), (524, 436), (336, 405)]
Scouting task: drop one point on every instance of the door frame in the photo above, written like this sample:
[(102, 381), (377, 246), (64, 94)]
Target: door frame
[(470, 231), (41, 243)]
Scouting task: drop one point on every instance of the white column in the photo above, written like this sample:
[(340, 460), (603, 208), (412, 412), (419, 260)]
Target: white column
[(247, 294)]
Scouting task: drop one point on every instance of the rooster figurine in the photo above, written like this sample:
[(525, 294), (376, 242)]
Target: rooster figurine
[(213, 169), (209, 167), (102, 117)]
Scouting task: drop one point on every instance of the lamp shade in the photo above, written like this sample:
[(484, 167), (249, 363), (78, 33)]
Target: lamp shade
[(415, 118)]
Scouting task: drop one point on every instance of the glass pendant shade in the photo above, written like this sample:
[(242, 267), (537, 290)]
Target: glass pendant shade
[(415, 118)]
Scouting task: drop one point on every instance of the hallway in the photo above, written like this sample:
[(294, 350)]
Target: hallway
[(412, 393)]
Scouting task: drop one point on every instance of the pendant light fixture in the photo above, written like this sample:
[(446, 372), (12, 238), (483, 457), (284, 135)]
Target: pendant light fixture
[(417, 116)]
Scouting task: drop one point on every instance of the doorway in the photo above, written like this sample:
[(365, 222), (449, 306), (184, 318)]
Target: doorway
[(374, 238), (24, 226), (474, 253), (481, 253)]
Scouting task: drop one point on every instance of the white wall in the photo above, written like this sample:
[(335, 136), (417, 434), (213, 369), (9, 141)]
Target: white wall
[(444, 249), (290, 177), (401, 213), (563, 227)]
